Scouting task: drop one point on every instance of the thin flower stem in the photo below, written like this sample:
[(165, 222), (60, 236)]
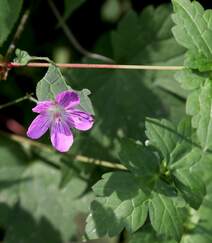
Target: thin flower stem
[(26, 97), (17, 34), (94, 66), (73, 39), (80, 158)]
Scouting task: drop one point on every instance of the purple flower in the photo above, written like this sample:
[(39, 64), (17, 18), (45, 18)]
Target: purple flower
[(59, 116)]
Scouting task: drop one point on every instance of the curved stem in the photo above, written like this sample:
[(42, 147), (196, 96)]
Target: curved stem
[(72, 38), (17, 35)]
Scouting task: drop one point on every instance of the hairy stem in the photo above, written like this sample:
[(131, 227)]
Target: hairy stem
[(26, 97), (94, 66), (17, 34)]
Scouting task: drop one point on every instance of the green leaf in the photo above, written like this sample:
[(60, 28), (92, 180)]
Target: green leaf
[(191, 185), (188, 159), (120, 204), (10, 10), (188, 181), (85, 102), (162, 135), (142, 162), (165, 217), (193, 107), (53, 83), (184, 143), (204, 129), (198, 61), (193, 30), (22, 57), (189, 80), (147, 235), (31, 202)]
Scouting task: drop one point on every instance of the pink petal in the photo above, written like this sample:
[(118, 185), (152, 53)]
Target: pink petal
[(68, 99), (81, 120), (38, 127), (61, 136), (42, 106)]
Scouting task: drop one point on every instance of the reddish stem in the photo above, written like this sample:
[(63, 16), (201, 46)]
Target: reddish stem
[(94, 66)]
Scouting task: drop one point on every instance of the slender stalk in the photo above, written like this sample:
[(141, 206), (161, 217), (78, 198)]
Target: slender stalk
[(80, 158), (73, 39), (26, 97), (17, 34), (94, 66)]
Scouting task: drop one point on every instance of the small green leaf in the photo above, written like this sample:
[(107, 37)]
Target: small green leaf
[(85, 102), (120, 204), (162, 135), (51, 84), (22, 57), (10, 10), (165, 217), (142, 162)]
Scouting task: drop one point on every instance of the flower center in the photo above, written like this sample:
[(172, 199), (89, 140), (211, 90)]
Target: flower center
[(56, 112)]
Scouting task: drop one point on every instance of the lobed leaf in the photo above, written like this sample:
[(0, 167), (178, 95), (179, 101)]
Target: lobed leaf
[(120, 204), (193, 30)]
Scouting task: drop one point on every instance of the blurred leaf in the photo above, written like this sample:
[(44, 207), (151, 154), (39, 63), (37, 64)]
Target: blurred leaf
[(189, 80), (120, 203), (70, 6), (34, 186), (140, 161), (147, 235), (10, 10), (111, 10)]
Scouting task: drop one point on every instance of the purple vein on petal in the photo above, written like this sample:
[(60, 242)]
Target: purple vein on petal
[(68, 99), (61, 136), (80, 120), (38, 127)]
